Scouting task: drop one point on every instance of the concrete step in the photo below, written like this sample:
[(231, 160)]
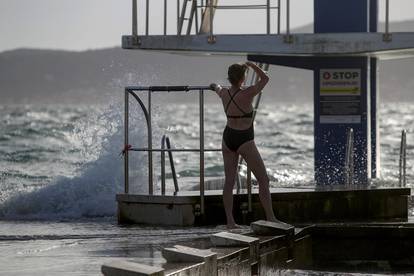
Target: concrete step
[(125, 268), (206, 259), (269, 228), (228, 239)]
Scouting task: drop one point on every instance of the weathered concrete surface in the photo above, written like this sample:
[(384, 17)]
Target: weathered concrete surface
[(124, 268), (297, 206), (302, 254), (271, 243), (184, 269), (156, 214), (268, 228), (236, 263), (363, 247), (231, 239), (272, 262), (186, 254), (181, 253), (303, 231)]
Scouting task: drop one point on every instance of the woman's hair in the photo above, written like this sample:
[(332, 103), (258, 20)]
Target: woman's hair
[(236, 73)]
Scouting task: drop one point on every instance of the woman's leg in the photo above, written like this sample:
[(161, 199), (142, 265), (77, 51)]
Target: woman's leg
[(230, 159), (254, 161)]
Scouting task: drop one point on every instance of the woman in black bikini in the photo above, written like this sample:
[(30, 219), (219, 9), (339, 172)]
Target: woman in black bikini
[(238, 137)]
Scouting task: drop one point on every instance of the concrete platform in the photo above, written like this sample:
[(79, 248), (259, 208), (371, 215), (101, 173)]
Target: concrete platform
[(293, 205), (303, 44), (337, 247)]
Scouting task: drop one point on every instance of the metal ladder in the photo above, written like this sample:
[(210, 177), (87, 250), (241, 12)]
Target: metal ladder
[(190, 18), (208, 9), (165, 141)]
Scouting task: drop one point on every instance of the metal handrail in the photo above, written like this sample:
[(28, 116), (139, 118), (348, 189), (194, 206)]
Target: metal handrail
[(211, 7), (172, 150), (165, 140), (239, 7), (349, 158), (150, 89), (403, 160), (387, 36)]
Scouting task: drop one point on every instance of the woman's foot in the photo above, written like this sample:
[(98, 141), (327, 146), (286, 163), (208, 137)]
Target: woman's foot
[(272, 219), (276, 220), (233, 226)]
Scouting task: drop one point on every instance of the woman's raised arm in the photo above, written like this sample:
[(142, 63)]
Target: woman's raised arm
[(263, 79)]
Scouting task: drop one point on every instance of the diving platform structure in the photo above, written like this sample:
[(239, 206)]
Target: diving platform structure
[(197, 36), (343, 53)]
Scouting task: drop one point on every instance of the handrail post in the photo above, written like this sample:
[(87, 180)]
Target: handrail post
[(278, 16), (150, 165), (201, 103), (178, 15), (126, 134), (163, 165), (387, 36), (403, 159), (249, 190), (268, 16), (288, 37), (165, 17), (170, 156), (349, 158), (134, 18), (147, 18)]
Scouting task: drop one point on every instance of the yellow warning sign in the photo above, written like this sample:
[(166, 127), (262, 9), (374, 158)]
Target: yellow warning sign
[(340, 82)]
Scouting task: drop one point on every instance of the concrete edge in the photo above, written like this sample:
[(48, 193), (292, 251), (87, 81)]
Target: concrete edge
[(125, 268)]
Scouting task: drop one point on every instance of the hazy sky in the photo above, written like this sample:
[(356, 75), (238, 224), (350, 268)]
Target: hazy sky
[(90, 24)]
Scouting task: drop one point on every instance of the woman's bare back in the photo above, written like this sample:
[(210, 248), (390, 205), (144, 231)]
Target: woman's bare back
[(243, 100)]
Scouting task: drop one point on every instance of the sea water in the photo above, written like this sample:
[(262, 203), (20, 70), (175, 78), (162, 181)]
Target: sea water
[(61, 167)]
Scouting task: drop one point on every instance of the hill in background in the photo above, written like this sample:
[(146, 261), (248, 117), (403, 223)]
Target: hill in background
[(50, 76)]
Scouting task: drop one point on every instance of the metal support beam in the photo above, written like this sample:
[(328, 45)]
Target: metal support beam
[(126, 134), (163, 165), (387, 35), (268, 16), (278, 15), (150, 164), (134, 18), (201, 103), (165, 16), (147, 18), (288, 37)]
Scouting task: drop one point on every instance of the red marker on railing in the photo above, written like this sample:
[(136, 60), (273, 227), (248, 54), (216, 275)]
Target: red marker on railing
[(126, 148)]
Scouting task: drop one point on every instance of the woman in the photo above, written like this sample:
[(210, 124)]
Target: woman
[(238, 137)]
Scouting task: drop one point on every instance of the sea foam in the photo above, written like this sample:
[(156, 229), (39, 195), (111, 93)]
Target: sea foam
[(91, 192)]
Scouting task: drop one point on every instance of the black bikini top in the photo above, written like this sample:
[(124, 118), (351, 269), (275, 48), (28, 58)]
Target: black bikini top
[(245, 114)]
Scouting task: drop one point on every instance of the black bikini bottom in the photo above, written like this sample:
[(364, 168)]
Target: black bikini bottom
[(234, 138)]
